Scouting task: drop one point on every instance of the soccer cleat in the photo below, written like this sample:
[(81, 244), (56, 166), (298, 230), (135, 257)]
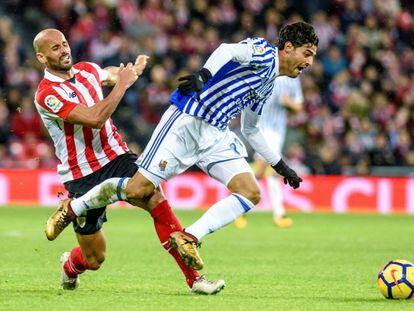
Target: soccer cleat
[(65, 281), (186, 246), (283, 221), (59, 220), (205, 287), (241, 222)]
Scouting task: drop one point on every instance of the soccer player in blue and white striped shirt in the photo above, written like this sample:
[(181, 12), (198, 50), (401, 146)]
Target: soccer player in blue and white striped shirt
[(236, 79)]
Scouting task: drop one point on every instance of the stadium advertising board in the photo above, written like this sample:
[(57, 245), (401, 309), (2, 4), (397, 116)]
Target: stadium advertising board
[(195, 190)]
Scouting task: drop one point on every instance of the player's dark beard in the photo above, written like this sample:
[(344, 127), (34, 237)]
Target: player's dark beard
[(57, 65)]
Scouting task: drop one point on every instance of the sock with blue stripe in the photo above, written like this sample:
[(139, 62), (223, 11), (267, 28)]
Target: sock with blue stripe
[(107, 192), (219, 215)]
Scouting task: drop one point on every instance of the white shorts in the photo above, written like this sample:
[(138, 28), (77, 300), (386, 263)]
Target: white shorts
[(180, 141)]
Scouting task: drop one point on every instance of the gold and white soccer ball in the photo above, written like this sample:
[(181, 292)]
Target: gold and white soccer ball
[(396, 279)]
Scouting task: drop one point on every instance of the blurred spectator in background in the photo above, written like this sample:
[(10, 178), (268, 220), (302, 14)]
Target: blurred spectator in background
[(359, 94)]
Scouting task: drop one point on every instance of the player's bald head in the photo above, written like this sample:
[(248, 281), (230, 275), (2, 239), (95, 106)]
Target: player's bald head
[(47, 36), (52, 50)]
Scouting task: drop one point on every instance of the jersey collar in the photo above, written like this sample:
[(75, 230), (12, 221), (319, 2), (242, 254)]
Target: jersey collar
[(51, 77)]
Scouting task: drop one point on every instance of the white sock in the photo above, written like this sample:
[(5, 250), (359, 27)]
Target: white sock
[(220, 214), (275, 194), (107, 192)]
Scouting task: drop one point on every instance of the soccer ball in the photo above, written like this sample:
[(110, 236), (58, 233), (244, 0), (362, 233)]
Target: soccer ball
[(396, 279)]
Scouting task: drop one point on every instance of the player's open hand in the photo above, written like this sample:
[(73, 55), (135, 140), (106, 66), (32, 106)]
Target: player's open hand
[(290, 176), (140, 64), (127, 75)]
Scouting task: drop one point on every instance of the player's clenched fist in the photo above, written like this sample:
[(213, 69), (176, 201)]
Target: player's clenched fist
[(127, 75), (194, 82)]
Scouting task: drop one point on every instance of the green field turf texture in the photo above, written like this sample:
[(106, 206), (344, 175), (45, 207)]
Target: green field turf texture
[(325, 262)]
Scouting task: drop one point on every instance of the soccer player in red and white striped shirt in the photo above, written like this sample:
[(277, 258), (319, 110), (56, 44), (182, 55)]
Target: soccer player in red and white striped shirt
[(71, 103)]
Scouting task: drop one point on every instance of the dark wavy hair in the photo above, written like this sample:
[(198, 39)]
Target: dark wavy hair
[(298, 34)]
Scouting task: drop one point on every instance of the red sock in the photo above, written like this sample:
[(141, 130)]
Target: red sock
[(165, 223), (76, 264)]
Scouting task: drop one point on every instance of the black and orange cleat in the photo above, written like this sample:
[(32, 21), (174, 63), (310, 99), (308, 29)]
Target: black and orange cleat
[(59, 220), (186, 245)]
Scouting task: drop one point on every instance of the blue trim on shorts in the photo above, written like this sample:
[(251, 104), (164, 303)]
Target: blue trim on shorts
[(210, 165), (158, 140), (119, 188), (139, 166), (245, 206)]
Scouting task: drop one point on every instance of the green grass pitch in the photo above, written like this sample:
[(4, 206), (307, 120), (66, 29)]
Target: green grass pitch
[(325, 262)]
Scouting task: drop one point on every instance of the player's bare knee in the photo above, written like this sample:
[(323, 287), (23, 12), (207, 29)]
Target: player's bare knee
[(253, 195), (139, 193), (246, 185), (138, 189)]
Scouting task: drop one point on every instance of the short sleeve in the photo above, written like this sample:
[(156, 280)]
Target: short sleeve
[(100, 74), (54, 102)]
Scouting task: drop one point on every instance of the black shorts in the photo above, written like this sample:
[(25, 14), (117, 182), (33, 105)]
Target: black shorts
[(122, 166)]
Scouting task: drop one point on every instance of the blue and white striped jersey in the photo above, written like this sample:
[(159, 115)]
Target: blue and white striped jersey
[(246, 80), (274, 115)]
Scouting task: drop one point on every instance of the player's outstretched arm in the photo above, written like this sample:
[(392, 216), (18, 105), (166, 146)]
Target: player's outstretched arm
[(112, 71), (95, 116)]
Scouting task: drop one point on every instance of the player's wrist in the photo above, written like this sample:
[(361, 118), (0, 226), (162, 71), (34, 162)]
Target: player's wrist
[(281, 167), (121, 86)]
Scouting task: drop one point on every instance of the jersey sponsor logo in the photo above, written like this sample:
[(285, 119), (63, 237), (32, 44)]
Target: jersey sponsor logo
[(72, 95), (53, 103), (249, 98), (258, 49)]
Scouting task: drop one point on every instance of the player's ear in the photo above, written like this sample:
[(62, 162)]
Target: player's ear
[(288, 47), (41, 58)]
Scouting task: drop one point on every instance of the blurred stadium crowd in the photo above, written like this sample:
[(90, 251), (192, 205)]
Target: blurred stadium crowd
[(359, 96)]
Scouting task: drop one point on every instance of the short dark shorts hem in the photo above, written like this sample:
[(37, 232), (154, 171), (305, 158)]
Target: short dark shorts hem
[(122, 166)]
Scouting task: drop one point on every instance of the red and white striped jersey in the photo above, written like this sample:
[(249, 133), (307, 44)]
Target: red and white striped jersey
[(81, 150)]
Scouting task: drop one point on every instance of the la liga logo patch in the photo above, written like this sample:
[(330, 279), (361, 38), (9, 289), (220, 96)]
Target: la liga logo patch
[(259, 49), (53, 103)]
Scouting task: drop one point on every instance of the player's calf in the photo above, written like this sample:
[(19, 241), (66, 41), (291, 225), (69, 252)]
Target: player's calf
[(94, 262)]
